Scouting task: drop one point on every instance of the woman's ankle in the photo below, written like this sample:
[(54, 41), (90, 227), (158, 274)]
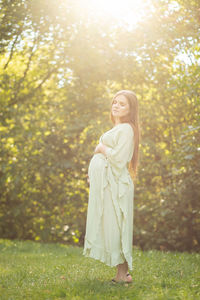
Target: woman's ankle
[(121, 276)]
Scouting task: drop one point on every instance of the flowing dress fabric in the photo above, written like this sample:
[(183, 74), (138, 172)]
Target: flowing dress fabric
[(109, 225)]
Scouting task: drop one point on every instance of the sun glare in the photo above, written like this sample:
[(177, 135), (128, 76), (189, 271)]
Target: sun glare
[(128, 12)]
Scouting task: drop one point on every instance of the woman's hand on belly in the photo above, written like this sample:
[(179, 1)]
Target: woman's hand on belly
[(100, 148)]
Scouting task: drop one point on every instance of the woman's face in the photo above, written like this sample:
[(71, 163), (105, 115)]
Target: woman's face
[(120, 107)]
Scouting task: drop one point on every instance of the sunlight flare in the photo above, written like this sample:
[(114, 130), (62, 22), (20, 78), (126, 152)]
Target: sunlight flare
[(128, 12)]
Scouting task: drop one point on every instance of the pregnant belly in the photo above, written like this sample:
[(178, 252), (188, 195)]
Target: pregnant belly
[(96, 165)]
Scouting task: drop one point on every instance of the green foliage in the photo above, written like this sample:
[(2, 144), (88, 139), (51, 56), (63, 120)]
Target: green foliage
[(59, 70)]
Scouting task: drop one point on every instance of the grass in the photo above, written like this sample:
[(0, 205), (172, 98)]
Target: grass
[(30, 270)]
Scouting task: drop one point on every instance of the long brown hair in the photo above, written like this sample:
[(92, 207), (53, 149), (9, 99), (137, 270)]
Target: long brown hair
[(133, 119)]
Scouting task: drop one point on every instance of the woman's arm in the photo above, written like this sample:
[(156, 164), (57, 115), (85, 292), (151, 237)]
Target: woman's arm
[(117, 155), (100, 148)]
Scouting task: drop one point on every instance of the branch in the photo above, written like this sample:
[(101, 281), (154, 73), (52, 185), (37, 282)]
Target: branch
[(26, 70), (12, 51), (15, 99)]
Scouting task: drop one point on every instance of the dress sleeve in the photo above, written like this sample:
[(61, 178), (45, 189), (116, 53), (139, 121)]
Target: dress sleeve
[(118, 155)]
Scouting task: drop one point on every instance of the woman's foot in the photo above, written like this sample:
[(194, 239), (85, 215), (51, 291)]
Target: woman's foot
[(127, 279)]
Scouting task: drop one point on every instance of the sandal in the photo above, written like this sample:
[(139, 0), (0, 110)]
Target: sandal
[(122, 281)]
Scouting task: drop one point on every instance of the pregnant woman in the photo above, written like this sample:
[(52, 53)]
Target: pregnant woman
[(109, 225)]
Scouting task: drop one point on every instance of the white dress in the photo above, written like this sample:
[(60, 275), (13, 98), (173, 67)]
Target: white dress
[(109, 225)]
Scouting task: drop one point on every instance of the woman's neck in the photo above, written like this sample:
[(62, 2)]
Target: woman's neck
[(117, 121)]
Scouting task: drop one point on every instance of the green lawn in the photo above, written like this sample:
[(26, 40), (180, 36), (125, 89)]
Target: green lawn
[(31, 270)]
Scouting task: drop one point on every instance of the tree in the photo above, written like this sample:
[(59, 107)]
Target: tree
[(59, 70)]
